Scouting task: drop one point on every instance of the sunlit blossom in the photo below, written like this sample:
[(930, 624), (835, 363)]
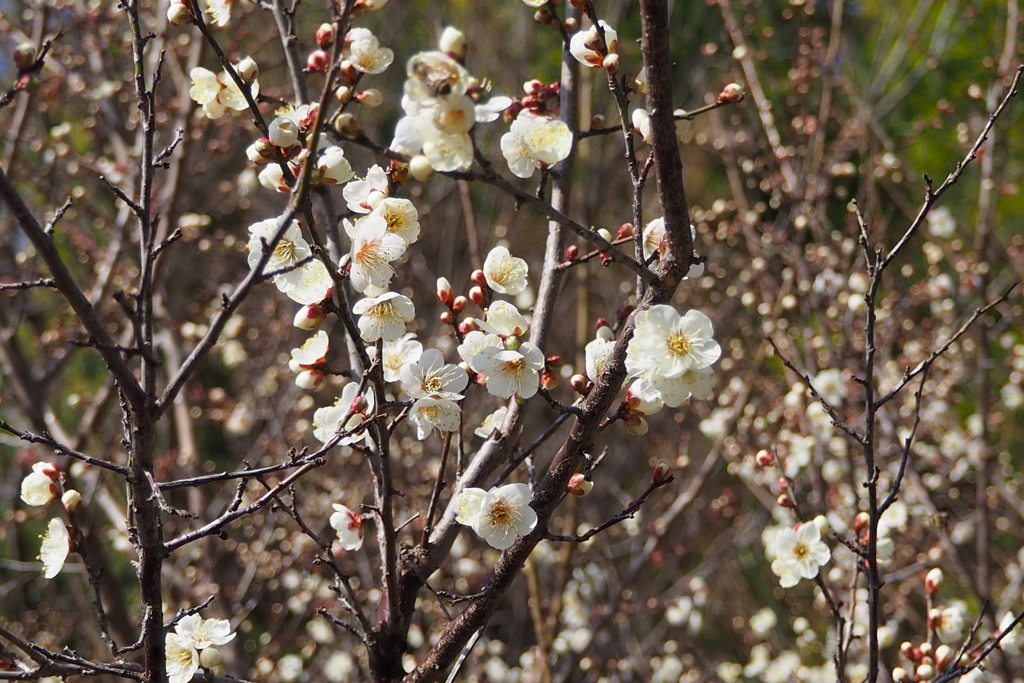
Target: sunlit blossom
[(798, 554), (473, 343), (430, 413), (364, 194), (55, 548), (349, 526), (384, 317), (505, 274), (397, 354), (511, 372), (431, 377), (373, 250), (327, 421), (40, 486), (666, 345), (365, 53), (332, 166), (401, 217), (504, 320), (182, 658), (585, 46), (202, 633), (312, 352), (535, 141), (499, 515), (217, 94), (220, 11), (491, 422)]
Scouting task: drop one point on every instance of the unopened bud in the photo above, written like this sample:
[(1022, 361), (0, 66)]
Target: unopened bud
[(346, 125), (309, 379), (731, 93), (570, 24), (543, 16), (597, 121), (349, 71), (944, 657), (861, 521), (447, 317), (459, 304), (533, 86), (478, 278), (925, 649), (468, 325), (325, 34), (548, 379), (359, 405), (318, 61), (625, 230), (605, 233), (309, 317), (635, 425), (901, 675), (785, 501), (933, 581), (581, 384), (925, 672), (444, 291), (24, 56), (343, 94), (72, 500), (765, 458), (935, 617), (578, 485), (420, 168), (611, 63), (178, 14), (571, 252), (660, 473), (453, 43), (555, 361), (248, 70), (371, 98), (907, 650), (210, 658), (477, 296)]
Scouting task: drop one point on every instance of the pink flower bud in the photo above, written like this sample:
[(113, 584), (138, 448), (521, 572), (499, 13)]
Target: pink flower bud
[(371, 98), (24, 56), (555, 361), (597, 121), (548, 380), (907, 650), (72, 500), (582, 5), (447, 317), (601, 322), (459, 304), (660, 473), (543, 16), (944, 655), (785, 501), (348, 71), (318, 61), (477, 296), (765, 458), (578, 485), (731, 93), (925, 649), (533, 86), (309, 317), (343, 94), (901, 675), (611, 63), (861, 521), (580, 384), (468, 325), (571, 252), (933, 581), (325, 34), (444, 291), (925, 672), (478, 278), (346, 125), (359, 405), (178, 14)]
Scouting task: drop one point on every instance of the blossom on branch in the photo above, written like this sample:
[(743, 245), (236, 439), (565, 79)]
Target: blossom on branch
[(373, 249), (505, 273), (217, 94), (586, 47), (498, 516), (55, 548), (430, 413), (364, 53), (510, 371), (397, 354), (40, 486), (798, 554), (363, 195), (430, 377), (349, 526), (384, 317), (535, 142), (331, 420)]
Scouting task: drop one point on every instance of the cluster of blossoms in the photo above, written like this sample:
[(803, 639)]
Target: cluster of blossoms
[(218, 94), (193, 644), (38, 488), (499, 515), (442, 103)]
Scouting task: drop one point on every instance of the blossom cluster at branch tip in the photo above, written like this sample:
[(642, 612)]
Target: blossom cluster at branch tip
[(192, 636), (296, 273), (500, 515), (219, 93), (587, 48)]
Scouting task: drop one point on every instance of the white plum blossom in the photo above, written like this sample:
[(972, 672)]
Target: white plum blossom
[(283, 132), (332, 166), (349, 526), (431, 377), (384, 317), (363, 195), (829, 385), (401, 217), (373, 250), (429, 413), (397, 354), (798, 554), (217, 94), (290, 251), (667, 348), (511, 372), (327, 421), (182, 658), (504, 320), (500, 515), (597, 352), (491, 422), (365, 54), (314, 284), (473, 343), (40, 486), (642, 399), (204, 633), (220, 12), (585, 45), (313, 352), (535, 141), (55, 548), (505, 274)]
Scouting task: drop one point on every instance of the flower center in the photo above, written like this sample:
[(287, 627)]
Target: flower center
[(383, 310), (502, 514), (513, 368), (679, 344), (433, 385), (285, 251), (801, 550)]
